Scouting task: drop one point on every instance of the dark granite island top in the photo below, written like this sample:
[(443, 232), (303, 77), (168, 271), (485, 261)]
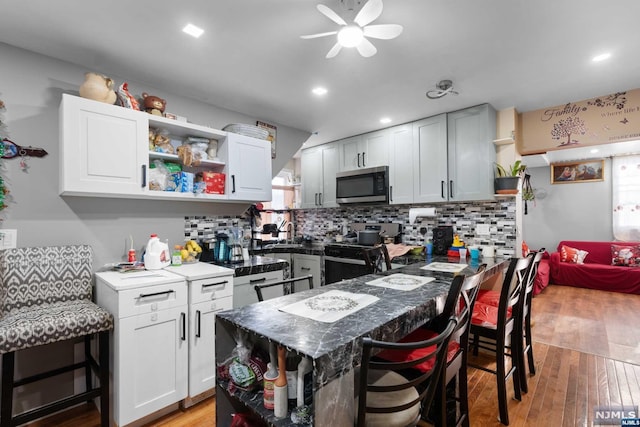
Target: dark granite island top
[(334, 347), (255, 265)]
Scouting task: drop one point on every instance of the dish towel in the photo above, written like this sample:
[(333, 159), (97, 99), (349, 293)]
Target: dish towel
[(330, 306)]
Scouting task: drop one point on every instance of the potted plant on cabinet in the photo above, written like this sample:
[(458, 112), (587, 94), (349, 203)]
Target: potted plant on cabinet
[(506, 179)]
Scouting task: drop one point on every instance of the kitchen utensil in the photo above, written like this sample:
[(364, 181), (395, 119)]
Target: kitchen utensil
[(368, 237), (269, 228), (235, 253)]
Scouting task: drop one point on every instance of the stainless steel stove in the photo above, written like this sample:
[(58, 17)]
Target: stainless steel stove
[(345, 260)]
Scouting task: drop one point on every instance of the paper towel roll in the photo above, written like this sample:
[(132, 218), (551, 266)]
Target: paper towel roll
[(420, 212)]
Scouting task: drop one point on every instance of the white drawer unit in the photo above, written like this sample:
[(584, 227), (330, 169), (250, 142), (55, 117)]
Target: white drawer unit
[(210, 291), (243, 288), (150, 340)]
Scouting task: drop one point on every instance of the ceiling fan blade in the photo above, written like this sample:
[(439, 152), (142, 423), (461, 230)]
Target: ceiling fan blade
[(334, 50), (313, 36), (331, 14), (384, 31), (366, 48), (369, 12)]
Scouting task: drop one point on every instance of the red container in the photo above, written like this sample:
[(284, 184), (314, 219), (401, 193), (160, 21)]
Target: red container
[(214, 182)]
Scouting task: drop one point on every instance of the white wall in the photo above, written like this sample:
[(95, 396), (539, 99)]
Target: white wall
[(31, 86), (569, 211)]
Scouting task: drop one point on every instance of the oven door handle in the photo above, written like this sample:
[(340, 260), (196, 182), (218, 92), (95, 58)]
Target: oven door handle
[(344, 260)]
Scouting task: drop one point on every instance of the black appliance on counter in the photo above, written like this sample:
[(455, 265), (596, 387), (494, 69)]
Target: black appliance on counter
[(442, 239)]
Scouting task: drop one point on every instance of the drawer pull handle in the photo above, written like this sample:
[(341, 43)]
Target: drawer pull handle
[(215, 284), (156, 294), (183, 321), (262, 279), (198, 323), (305, 268)]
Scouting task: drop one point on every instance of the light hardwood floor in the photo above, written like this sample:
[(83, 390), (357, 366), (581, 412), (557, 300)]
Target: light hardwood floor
[(587, 353)]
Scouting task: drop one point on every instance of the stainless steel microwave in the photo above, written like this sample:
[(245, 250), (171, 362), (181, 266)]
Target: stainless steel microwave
[(370, 185)]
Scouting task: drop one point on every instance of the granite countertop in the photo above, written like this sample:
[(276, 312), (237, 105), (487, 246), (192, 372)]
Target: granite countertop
[(256, 264), (309, 249)]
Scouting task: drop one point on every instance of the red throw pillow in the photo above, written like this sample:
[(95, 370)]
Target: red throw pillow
[(625, 256), (572, 255)]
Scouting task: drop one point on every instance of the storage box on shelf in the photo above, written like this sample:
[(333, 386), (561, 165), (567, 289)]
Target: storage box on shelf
[(105, 153)]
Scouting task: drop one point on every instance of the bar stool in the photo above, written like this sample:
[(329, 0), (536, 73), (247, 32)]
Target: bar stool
[(288, 285), (388, 398), (459, 304), (377, 258), (45, 297), (493, 328)]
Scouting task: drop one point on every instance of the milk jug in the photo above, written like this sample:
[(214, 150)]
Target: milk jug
[(157, 254)]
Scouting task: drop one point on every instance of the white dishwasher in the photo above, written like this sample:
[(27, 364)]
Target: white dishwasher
[(210, 291)]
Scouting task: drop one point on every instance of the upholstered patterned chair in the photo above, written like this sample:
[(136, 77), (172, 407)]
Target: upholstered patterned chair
[(46, 296)]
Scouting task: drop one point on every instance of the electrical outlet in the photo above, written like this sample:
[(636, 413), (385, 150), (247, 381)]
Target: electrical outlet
[(8, 238), (483, 229)]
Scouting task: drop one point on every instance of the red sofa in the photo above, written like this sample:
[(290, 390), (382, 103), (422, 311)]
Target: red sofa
[(596, 272)]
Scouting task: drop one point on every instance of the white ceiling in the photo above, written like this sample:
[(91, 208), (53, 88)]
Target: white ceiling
[(528, 54)]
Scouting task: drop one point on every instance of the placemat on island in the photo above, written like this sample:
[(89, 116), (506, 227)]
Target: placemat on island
[(402, 282), (444, 267), (330, 306)]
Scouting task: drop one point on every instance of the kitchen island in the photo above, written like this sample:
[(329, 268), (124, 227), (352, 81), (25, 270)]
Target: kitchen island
[(335, 348)]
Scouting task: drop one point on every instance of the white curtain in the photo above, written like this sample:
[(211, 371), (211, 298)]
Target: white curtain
[(625, 175)]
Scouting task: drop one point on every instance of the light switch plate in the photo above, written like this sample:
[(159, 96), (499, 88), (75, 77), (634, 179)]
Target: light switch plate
[(482, 229), (8, 238)]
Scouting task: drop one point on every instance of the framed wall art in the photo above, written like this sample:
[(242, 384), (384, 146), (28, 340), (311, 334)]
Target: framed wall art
[(583, 171)]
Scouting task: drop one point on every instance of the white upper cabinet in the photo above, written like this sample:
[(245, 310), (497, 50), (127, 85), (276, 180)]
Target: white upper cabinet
[(454, 156), (471, 153), (401, 164), (99, 153), (104, 151), (365, 151), (319, 166), (430, 159), (249, 176)]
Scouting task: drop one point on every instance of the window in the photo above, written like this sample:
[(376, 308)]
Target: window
[(625, 173), (282, 199)]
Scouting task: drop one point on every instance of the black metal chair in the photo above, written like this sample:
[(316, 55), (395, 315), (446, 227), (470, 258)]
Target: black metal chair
[(288, 285), (493, 328), (377, 258), (388, 398), (45, 297)]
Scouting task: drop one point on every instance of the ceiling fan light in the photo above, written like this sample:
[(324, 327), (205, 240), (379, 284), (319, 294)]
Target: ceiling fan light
[(350, 36)]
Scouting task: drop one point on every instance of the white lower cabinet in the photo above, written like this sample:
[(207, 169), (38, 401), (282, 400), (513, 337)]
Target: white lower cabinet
[(206, 298), (304, 265), (244, 292), (164, 335), (151, 363), (150, 346)]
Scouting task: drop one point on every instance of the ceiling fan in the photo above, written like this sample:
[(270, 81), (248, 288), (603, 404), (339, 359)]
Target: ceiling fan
[(355, 35)]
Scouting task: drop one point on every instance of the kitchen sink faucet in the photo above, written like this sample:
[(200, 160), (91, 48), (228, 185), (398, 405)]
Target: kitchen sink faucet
[(290, 233)]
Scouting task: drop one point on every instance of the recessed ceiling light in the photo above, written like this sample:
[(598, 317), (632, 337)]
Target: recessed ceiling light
[(193, 31), (319, 91), (385, 120), (601, 57)]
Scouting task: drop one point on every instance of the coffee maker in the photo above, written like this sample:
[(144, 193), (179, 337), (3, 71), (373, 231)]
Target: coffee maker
[(235, 246)]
